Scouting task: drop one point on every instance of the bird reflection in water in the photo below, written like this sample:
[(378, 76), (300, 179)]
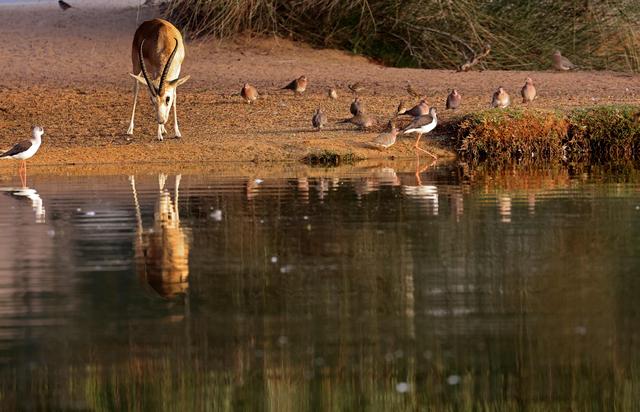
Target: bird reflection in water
[(162, 251), (504, 208), (424, 193), (28, 194)]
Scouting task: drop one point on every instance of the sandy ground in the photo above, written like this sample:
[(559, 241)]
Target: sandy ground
[(68, 72)]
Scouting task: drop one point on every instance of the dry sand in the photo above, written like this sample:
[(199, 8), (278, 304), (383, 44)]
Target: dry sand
[(68, 72)]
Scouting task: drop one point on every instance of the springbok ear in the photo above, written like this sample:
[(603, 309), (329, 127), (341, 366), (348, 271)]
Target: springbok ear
[(178, 82), (139, 79)]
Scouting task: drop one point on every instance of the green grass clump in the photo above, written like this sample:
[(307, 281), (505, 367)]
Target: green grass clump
[(328, 158), (605, 132), (434, 33), (511, 133)]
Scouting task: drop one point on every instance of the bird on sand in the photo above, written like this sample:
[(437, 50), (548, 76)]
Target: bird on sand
[(356, 87), (528, 91), (562, 63), (413, 92), (25, 149), (401, 108), (298, 85), (319, 119), (421, 125), (249, 93), (360, 119), (332, 93), (500, 98), (453, 100), (418, 110), (64, 5), (356, 106), (386, 139)]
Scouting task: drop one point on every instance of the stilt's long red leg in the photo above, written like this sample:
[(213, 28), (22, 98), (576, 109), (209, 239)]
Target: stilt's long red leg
[(423, 150)]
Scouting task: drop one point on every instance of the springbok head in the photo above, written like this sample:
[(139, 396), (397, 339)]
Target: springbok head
[(162, 95)]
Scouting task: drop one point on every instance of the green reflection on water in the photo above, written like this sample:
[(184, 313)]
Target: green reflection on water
[(452, 289)]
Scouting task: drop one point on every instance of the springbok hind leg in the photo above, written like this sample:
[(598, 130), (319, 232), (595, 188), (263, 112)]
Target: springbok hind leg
[(133, 112)]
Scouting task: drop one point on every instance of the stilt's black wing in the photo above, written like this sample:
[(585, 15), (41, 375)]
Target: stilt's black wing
[(23, 146)]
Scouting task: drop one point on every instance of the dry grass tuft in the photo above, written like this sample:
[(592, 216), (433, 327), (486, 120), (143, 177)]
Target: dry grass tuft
[(434, 33), (512, 133)]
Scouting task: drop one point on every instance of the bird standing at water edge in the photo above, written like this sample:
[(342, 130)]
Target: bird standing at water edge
[(528, 91), (500, 98), (421, 125), (24, 150), (298, 85), (249, 93)]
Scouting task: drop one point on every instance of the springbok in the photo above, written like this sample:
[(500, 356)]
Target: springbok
[(158, 50)]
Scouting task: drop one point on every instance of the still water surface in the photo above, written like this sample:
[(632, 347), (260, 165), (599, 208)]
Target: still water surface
[(378, 290)]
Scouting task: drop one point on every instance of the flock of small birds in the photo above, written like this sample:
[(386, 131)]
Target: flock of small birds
[(424, 118)]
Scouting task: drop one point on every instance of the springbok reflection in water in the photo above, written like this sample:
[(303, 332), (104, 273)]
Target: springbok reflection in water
[(162, 251)]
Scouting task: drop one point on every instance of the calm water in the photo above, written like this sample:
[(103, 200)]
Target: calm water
[(379, 290)]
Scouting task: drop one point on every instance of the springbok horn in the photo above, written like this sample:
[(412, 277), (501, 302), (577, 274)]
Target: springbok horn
[(144, 71), (165, 71)]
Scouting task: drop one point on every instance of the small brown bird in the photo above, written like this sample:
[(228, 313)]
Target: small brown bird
[(401, 108), (360, 119), (319, 119), (453, 100), (386, 139), (418, 110), (298, 85), (356, 106), (528, 91), (500, 98), (332, 93), (356, 87), (249, 93), (413, 92), (64, 5), (562, 63)]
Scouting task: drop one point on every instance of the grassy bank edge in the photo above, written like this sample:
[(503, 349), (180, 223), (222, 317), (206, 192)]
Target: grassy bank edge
[(601, 133)]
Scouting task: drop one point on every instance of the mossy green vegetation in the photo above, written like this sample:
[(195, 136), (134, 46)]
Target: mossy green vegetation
[(605, 132), (330, 158), (599, 133)]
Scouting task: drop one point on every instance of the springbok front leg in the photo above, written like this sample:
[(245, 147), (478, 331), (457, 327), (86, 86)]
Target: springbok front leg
[(133, 112), (160, 130), (175, 117)]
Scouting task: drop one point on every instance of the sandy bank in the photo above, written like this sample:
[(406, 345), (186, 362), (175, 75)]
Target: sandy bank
[(68, 72)]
